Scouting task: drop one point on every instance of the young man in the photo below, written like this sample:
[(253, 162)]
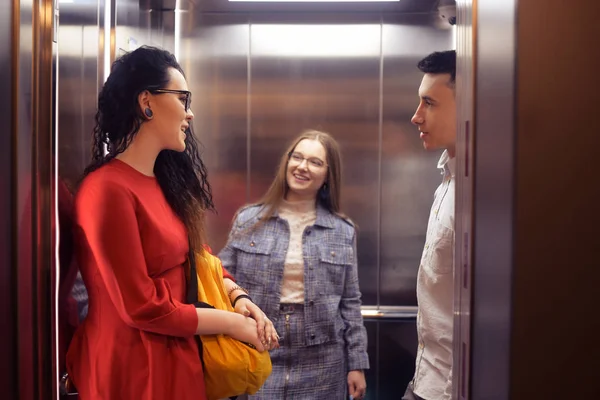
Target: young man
[(436, 119)]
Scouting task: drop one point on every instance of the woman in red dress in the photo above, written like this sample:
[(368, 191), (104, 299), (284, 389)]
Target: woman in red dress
[(137, 211)]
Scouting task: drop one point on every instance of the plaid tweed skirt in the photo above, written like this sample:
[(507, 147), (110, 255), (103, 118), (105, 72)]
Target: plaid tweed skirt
[(303, 372)]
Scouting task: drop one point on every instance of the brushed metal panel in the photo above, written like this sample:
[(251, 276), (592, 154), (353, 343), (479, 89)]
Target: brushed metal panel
[(392, 348), (372, 374), (78, 87), (494, 194), (323, 76), (464, 200), (80, 71), (8, 291), (214, 54), (310, 72), (133, 27), (397, 352), (32, 195), (22, 192), (83, 62), (409, 174), (128, 23), (134, 24)]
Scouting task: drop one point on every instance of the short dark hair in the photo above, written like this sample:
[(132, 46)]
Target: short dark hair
[(440, 62)]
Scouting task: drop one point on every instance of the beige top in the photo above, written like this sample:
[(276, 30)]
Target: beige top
[(299, 215)]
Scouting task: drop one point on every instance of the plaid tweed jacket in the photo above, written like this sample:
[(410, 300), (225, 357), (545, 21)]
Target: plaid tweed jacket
[(255, 257)]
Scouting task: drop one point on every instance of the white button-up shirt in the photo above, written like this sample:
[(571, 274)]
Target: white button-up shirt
[(435, 294)]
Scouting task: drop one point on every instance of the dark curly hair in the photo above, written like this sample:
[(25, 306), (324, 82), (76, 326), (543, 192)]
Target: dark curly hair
[(440, 62), (182, 176)]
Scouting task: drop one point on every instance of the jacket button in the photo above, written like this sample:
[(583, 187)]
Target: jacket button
[(311, 303), (312, 336), (333, 254), (252, 244)]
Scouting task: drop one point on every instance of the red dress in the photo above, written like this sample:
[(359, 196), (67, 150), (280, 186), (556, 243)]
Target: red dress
[(137, 341)]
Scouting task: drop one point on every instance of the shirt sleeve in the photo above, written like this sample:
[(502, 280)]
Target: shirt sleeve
[(228, 255), (355, 333), (226, 274), (109, 238)]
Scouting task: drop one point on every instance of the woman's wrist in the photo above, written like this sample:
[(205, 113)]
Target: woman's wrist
[(235, 291), (234, 294), (215, 322), (240, 297), (229, 284), (233, 323)]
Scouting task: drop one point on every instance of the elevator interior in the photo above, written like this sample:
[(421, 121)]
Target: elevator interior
[(260, 75), (530, 240)]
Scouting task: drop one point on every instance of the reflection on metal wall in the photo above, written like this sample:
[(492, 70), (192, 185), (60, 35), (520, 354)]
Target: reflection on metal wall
[(408, 174), (81, 66), (214, 53), (258, 82), (8, 303), (392, 350), (26, 194), (323, 76), (90, 36), (88, 40), (78, 69)]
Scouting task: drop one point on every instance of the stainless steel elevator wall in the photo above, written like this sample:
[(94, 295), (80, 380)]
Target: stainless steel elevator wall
[(259, 80)]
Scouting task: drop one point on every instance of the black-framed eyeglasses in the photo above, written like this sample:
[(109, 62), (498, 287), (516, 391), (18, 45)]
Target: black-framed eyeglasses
[(186, 101), (297, 158)]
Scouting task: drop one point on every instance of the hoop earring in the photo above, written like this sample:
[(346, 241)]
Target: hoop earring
[(148, 112)]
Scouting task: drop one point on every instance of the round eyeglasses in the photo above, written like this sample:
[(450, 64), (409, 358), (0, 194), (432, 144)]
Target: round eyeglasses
[(296, 158)]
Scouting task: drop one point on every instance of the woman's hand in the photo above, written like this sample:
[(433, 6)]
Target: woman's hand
[(357, 386), (266, 330), (244, 329)]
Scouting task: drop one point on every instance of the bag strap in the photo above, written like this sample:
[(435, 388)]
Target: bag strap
[(192, 297), (192, 294), (192, 289)]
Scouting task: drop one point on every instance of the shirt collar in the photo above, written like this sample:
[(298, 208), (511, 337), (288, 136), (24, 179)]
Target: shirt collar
[(447, 164)]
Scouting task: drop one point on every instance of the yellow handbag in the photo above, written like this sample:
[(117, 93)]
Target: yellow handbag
[(231, 368)]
